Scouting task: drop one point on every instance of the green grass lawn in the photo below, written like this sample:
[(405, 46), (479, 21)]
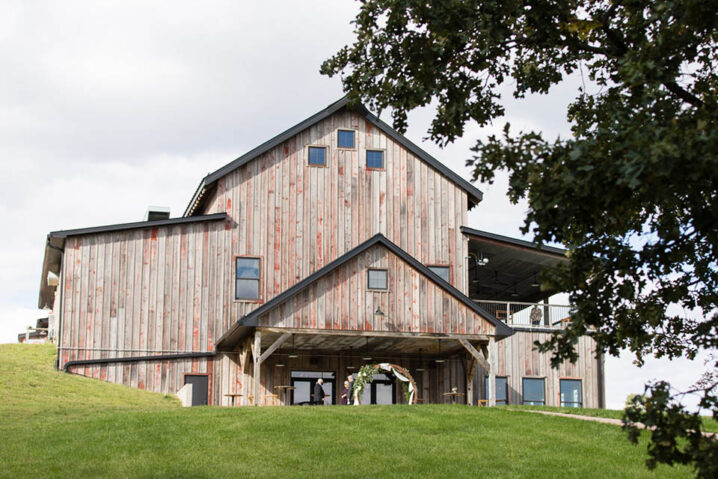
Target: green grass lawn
[(54, 424)]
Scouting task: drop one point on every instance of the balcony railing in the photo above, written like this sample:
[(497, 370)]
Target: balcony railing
[(530, 315)]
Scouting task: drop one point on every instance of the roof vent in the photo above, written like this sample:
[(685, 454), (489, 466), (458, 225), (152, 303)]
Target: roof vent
[(156, 213)]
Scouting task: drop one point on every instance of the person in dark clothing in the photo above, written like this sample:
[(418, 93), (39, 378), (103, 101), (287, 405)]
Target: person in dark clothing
[(345, 394), (319, 393), (350, 391)]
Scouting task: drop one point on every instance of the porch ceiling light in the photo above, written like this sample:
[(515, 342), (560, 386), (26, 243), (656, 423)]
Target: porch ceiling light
[(279, 365), (535, 283), (367, 356), (293, 354), (421, 362), (439, 359)]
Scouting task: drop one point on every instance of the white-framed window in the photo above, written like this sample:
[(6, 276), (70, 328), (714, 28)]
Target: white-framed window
[(377, 279)]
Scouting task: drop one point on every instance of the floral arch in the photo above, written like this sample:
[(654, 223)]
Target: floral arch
[(366, 375)]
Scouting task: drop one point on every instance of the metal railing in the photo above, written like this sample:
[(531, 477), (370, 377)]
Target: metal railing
[(530, 315)]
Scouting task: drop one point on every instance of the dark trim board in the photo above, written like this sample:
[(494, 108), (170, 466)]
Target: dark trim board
[(513, 241), (474, 194), (136, 359), (228, 339), (137, 225)]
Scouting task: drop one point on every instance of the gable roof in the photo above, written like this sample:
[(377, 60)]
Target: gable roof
[(251, 319), (209, 181)]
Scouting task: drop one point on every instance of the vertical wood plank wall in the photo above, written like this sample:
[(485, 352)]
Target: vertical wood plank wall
[(297, 218), (518, 359), (144, 292), (341, 300)]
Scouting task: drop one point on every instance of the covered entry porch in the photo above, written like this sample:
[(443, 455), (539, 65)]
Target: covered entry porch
[(279, 366)]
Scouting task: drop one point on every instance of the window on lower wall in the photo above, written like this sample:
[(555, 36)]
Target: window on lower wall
[(247, 279), (571, 393), (533, 391), (377, 279), (502, 389), (441, 271)]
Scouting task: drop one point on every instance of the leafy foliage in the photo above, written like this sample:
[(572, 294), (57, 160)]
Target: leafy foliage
[(632, 192), (364, 376)]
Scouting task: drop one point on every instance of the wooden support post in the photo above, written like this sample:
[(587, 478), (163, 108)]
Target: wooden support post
[(243, 365), (256, 353), (492, 372), (472, 362)]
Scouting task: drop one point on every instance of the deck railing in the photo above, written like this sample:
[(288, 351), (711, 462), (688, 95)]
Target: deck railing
[(530, 315)]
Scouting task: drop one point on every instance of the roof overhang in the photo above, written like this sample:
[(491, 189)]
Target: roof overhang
[(55, 246), (209, 182), (513, 267)]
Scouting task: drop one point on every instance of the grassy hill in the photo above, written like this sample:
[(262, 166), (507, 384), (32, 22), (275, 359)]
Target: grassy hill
[(54, 424)]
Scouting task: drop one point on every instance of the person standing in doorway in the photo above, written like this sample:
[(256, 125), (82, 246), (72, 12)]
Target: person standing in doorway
[(345, 394), (350, 390), (319, 393)]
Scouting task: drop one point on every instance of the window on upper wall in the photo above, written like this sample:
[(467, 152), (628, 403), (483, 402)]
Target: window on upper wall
[(317, 155), (571, 393), (377, 279), (502, 390), (442, 271), (533, 391), (345, 139), (375, 159), (247, 279)]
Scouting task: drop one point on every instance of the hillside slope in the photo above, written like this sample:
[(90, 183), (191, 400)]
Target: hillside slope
[(59, 425)]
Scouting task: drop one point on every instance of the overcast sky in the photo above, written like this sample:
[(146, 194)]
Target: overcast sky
[(108, 107)]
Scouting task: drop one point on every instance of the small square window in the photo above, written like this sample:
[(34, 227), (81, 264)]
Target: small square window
[(441, 271), (377, 279), (375, 159), (317, 155), (345, 138), (247, 279)]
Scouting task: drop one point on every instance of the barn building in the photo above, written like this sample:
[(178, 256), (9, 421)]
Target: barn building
[(337, 243)]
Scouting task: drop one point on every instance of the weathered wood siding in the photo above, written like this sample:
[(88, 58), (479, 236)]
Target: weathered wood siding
[(144, 292), (341, 300), (517, 359), (297, 218)]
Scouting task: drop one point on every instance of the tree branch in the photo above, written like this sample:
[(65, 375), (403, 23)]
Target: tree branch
[(684, 95)]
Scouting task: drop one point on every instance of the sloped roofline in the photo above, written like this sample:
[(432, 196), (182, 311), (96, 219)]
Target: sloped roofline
[(475, 195), (251, 319), (561, 252)]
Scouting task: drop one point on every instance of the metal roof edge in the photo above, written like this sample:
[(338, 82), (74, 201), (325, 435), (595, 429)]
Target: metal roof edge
[(137, 225), (514, 241)]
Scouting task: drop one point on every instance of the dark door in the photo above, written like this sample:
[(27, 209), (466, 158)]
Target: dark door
[(304, 381), (200, 388), (382, 390)]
